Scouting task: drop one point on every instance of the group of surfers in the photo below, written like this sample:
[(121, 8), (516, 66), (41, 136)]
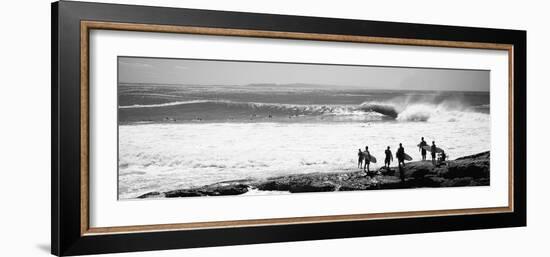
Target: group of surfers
[(364, 157)]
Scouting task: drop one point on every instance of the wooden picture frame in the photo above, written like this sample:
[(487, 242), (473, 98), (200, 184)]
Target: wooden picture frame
[(71, 25)]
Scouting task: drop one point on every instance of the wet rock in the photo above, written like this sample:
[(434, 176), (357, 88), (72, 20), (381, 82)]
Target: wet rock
[(274, 185), (470, 170), (225, 190), (475, 166), (313, 186), (386, 171), (209, 190), (457, 182), (151, 195)]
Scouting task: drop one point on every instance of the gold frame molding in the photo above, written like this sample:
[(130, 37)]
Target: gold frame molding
[(87, 26)]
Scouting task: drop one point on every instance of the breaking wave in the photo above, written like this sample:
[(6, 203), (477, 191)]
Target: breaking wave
[(440, 112), (396, 109)]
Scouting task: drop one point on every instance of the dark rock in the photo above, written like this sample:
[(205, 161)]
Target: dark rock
[(457, 182), (470, 170), (314, 186), (226, 190), (274, 185), (418, 169), (386, 171), (210, 190), (434, 181), (475, 166), (183, 193), (352, 187), (151, 195)]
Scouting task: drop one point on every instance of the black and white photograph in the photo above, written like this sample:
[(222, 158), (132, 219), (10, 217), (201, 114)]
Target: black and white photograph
[(198, 127)]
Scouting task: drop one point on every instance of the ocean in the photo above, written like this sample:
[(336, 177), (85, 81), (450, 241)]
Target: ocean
[(181, 136)]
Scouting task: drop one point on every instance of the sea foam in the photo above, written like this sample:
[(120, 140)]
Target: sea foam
[(161, 157)]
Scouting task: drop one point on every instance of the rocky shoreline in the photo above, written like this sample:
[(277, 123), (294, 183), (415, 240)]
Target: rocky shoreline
[(472, 170)]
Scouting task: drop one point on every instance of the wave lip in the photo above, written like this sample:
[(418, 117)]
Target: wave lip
[(386, 109)]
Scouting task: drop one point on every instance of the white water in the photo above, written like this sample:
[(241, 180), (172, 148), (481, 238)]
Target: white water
[(160, 157)]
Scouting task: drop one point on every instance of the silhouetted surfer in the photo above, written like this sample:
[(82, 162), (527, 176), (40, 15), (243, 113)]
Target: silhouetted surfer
[(400, 154), (367, 159), (442, 158), (360, 156), (389, 158), (421, 148), (433, 150), (401, 173)]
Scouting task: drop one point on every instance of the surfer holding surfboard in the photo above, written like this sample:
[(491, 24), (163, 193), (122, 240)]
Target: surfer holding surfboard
[(365, 158), (389, 158), (400, 154), (367, 155), (421, 148), (433, 149)]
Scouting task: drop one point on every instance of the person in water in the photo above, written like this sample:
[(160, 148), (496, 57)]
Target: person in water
[(421, 148), (360, 156), (400, 154), (366, 154), (433, 151), (389, 158)]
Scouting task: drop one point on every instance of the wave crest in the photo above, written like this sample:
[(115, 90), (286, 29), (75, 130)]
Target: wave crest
[(395, 109), (386, 109)]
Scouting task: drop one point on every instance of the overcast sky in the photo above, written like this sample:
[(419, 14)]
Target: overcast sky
[(204, 72)]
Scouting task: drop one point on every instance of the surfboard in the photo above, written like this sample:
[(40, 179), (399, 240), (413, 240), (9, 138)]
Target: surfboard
[(372, 158), (407, 157), (429, 149)]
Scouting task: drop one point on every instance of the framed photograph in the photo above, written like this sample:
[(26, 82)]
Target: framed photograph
[(178, 128)]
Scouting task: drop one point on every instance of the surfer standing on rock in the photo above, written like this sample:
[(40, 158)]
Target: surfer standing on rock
[(360, 159), (366, 153), (433, 152), (400, 154), (389, 158), (421, 148)]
